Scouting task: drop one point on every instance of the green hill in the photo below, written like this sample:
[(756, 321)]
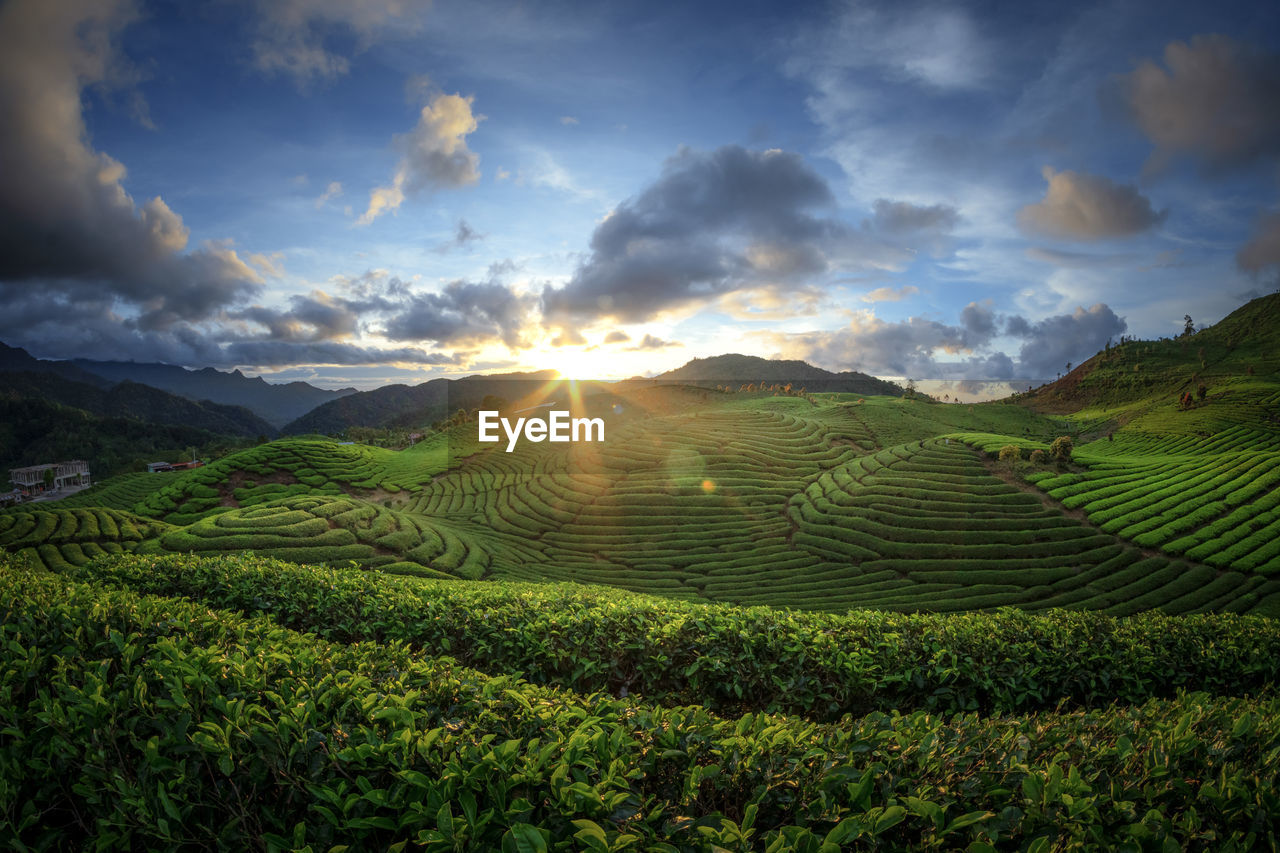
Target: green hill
[(735, 369)]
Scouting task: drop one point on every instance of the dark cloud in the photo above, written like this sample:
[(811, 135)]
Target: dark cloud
[(1052, 342), (929, 349), (617, 336), (1078, 206), (463, 236), (901, 217), (1215, 99), (315, 317), (905, 348), (269, 352), (979, 324), (464, 312), (67, 224), (1263, 248), (651, 343), (713, 224)]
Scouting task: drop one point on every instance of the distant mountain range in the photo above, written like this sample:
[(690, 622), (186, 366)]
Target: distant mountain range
[(234, 404), (275, 405)]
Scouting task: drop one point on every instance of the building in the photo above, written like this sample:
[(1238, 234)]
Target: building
[(35, 479), (162, 467)]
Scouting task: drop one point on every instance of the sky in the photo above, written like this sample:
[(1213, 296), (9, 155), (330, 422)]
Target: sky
[(359, 193)]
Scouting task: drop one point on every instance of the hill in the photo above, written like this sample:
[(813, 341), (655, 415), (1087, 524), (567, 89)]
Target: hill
[(132, 400), (735, 369), (1236, 353), (18, 360), (34, 430), (415, 406), (275, 404)]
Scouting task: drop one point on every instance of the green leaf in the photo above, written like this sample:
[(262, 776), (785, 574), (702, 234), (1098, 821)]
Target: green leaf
[(891, 817), (524, 838)]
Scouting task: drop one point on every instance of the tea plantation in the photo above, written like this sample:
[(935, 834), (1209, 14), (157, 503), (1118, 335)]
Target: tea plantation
[(747, 620)]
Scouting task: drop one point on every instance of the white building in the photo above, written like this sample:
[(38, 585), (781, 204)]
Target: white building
[(33, 479)]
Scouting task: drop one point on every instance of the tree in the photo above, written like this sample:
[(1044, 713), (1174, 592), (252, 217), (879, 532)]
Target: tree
[(1061, 448), (1037, 457), (49, 478), (1202, 390), (1010, 453), (1188, 327)]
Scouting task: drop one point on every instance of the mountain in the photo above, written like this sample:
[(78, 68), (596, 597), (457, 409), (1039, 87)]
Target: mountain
[(17, 359), (748, 369), (275, 404), (408, 406), (34, 430), (133, 400)]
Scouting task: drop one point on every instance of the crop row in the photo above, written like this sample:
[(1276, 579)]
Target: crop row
[(733, 658), (175, 726), (320, 529), (1222, 510)]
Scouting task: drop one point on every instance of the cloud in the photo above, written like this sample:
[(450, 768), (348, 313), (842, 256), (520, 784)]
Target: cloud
[(463, 235), (890, 294), (1263, 248), (713, 224), (569, 338), (568, 120), (651, 343), (617, 336), (67, 225), (290, 35), (923, 348), (271, 266), (434, 155), (1079, 206), (463, 313), (1215, 99), (1052, 342), (1079, 260), (334, 190), (901, 217)]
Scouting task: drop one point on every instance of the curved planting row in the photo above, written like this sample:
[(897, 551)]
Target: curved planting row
[(1219, 509), (233, 732), (737, 659), (927, 526), (287, 468), (323, 530), (59, 537)]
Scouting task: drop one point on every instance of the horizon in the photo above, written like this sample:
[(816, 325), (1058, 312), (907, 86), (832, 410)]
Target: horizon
[(402, 191)]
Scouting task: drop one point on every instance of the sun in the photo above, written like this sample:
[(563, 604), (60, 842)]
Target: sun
[(579, 363)]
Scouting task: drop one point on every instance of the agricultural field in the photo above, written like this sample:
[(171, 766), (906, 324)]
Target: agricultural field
[(814, 502), (755, 620)]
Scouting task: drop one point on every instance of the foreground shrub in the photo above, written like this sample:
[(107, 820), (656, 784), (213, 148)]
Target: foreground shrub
[(135, 722), (735, 659)]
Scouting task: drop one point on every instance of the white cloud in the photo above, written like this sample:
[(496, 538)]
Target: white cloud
[(435, 155)]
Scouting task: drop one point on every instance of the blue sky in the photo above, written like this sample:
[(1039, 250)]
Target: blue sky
[(392, 191)]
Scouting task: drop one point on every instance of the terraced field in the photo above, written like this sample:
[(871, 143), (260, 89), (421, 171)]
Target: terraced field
[(59, 537), (824, 502)]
